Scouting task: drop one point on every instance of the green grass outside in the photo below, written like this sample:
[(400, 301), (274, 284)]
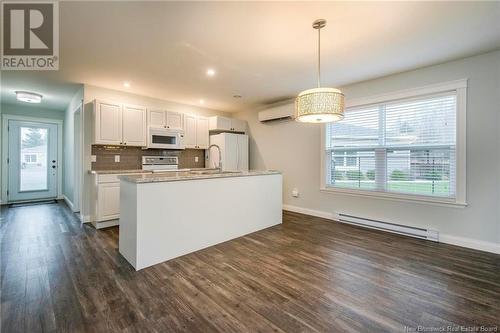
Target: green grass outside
[(441, 188)]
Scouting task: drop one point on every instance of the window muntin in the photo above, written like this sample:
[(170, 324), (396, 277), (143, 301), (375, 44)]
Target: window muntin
[(406, 146)]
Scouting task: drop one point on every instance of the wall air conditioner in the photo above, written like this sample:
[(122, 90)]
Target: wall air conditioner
[(282, 112)]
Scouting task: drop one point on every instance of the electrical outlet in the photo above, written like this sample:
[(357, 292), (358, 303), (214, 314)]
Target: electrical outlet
[(196, 159), (117, 158), (93, 158)]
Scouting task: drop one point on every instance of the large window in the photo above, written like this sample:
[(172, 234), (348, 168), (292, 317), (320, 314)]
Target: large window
[(402, 147)]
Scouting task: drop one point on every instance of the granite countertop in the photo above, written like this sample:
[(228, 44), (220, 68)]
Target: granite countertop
[(116, 172), (186, 175)]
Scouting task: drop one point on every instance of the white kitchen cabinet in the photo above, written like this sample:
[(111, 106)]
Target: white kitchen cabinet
[(238, 125), (174, 120), (225, 124), (156, 118), (190, 131), (196, 132), (105, 199), (165, 119), (108, 201), (108, 123), (118, 124), (134, 125), (202, 134)]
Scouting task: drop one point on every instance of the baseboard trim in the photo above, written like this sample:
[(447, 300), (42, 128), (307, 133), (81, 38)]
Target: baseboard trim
[(443, 238), (68, 202), (85, 218), (307, 211), (470, 243)]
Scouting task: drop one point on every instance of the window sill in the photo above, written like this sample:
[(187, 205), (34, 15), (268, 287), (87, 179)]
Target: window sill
[(396, 197)]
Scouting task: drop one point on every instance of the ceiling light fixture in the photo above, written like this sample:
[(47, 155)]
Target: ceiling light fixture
[(210, 72), (28, 97), (202, 101), (319, 105), (126, 84)]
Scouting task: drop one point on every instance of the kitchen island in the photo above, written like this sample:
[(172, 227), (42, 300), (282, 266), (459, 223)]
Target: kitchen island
[(167, 215)]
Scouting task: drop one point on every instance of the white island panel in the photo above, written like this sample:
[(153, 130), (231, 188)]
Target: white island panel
[(164, 220)]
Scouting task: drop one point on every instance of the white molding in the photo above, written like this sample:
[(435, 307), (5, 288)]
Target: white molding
[(307, 211), (68, 202), (407, 93), (428, 200), (470, 243), (5, 149), (85, 218), (443, 238)]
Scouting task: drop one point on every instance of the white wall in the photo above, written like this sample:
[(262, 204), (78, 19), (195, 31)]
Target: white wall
[(93, 92), (293, 148), (68, 146), (31, 111)]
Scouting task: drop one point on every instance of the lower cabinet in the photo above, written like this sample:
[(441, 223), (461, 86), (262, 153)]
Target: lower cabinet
[(106, 200)]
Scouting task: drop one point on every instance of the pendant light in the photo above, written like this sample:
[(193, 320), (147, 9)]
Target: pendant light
[(319, 105)]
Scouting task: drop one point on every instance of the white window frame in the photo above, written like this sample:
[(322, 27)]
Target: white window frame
[(458, 86)]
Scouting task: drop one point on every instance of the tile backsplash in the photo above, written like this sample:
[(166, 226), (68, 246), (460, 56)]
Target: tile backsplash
[(131, 157)]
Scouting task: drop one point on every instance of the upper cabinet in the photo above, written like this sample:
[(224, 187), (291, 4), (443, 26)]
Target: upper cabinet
[(165, 119), (108, 123), (196, 132), (134, 125), (118, 124), (225, 124)]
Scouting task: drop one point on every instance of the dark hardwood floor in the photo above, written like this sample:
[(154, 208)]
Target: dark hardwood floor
[(307, 275)]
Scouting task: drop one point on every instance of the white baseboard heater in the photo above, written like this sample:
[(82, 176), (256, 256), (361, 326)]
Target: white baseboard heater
[(421, 233)]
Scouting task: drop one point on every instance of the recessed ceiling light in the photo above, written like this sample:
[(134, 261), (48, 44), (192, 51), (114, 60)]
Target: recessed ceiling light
[(126, 84), (28, 97), (210, 72), (202, 101)]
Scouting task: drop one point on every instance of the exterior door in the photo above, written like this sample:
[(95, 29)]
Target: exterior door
[(32, 161)]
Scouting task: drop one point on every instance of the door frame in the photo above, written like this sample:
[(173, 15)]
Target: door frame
[(5, 150), (78, 162)]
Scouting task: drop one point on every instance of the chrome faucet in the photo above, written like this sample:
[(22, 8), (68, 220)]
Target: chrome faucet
[(220, 155)]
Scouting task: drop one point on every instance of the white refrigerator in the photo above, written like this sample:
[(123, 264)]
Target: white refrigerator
[(234, 152)]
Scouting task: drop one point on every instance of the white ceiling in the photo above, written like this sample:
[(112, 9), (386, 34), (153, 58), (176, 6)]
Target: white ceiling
[(264, 51)]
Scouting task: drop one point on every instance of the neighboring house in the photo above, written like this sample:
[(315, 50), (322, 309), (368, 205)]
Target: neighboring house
[(34, 156)]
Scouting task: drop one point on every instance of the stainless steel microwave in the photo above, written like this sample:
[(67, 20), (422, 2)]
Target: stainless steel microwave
[(165, 138)]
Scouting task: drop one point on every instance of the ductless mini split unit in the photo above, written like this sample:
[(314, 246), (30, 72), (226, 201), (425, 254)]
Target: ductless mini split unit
[(421, 233), (282, 112)]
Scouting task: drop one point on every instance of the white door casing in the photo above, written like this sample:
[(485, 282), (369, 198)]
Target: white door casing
[(33, 160)]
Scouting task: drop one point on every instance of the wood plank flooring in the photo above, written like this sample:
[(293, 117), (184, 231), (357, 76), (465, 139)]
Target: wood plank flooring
[(306, 275)]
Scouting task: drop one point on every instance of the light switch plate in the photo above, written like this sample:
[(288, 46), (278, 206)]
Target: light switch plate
[(117, 158), (93, 158)]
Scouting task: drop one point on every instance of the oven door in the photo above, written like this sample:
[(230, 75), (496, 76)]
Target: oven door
[(165, 139)]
